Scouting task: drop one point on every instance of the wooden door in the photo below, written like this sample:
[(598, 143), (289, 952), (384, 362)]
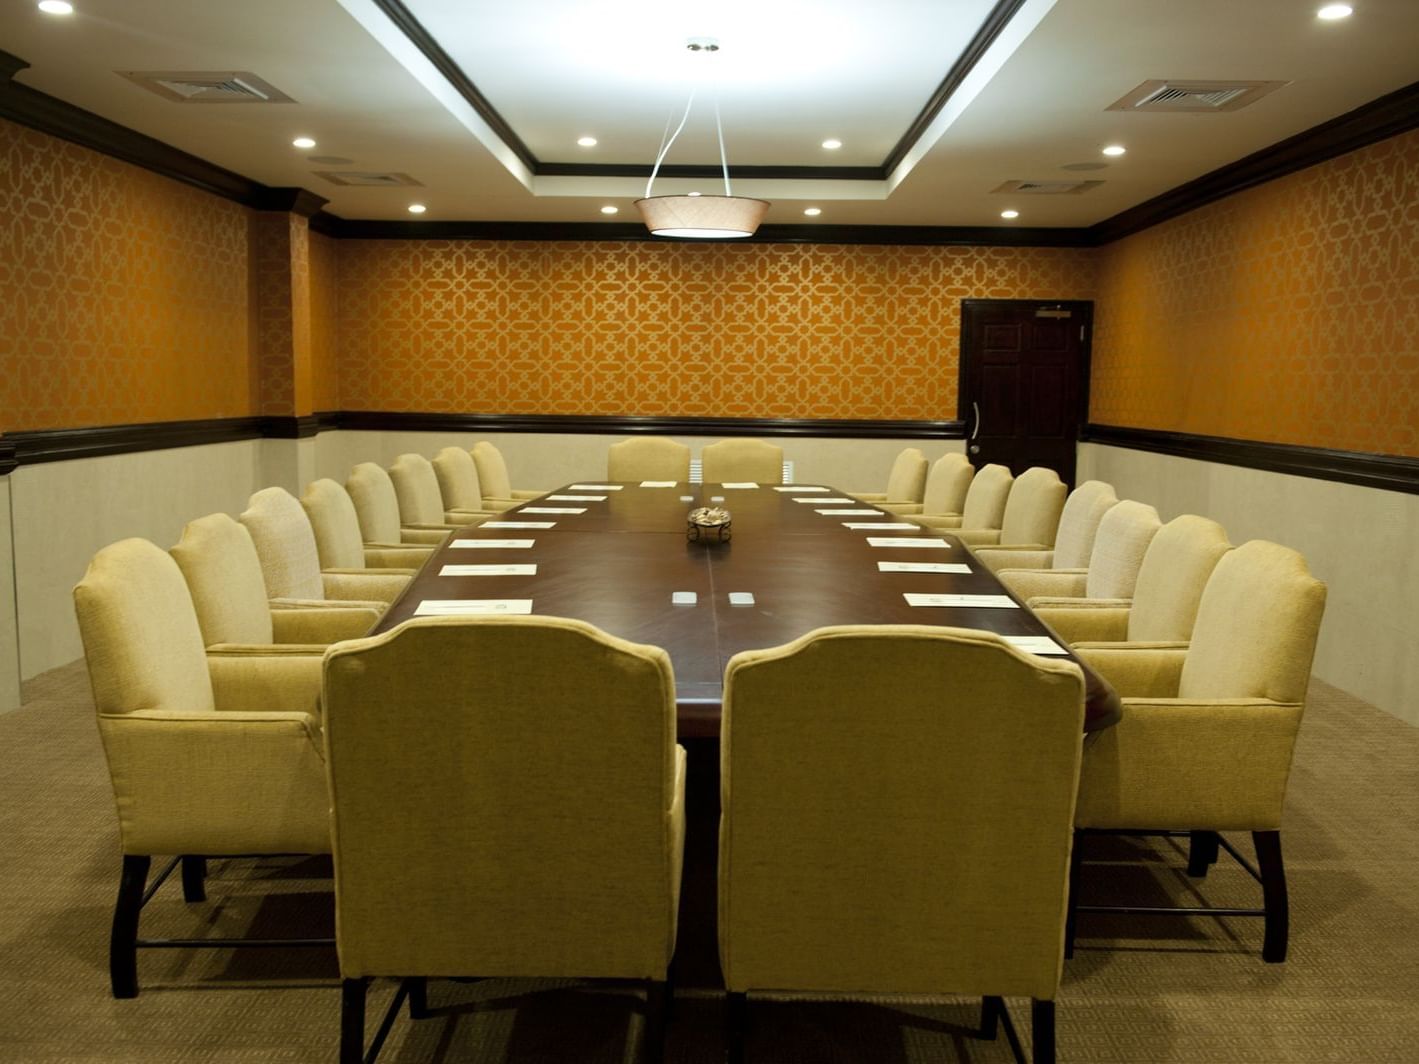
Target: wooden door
[(1024, 382)]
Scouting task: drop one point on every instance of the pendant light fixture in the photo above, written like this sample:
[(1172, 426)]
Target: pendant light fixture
[(700, 217)]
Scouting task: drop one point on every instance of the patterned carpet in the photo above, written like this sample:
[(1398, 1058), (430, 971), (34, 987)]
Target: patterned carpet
[(1136, 990)]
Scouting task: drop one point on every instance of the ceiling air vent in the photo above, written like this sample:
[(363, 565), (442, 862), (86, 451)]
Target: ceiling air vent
[(1194, 96), (207, 86), (368, 179), (1047, 188)]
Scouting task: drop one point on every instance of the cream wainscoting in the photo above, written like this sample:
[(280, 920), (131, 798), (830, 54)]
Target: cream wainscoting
[(1360, 541)]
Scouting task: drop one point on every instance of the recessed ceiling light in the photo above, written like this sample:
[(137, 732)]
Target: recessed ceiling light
[(417, 208), (60, 7), (303, 142), (586, 142), (1009, 214), (1330, 12), (608, 209), (1115, 149), (832, 144), (813, 212)]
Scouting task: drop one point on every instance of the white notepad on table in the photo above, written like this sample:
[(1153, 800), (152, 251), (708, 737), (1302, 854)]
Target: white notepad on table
[(576, 498), (489, 570), (492, 544), (851, 513), (797, 487), (881, 526), (818, 500), (923, 567), (659, 483), (552, 510), (518, 524), (907, 541), (596, 487), (990, 602), (1034, 644), (464, 607), (739, 484)]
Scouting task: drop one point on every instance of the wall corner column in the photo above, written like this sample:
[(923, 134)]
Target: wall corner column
[(9, 611)]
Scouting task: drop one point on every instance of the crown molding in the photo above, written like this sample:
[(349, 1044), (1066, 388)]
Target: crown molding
[(621, 425), (297, 201)]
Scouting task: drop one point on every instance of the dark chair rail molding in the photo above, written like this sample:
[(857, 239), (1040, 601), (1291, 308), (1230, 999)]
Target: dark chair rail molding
[(1389, 472), (7, 457)]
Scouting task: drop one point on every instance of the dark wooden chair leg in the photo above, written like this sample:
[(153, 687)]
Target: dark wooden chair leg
[(123, 940), (194, 878), (418, 997), (990, 1009), (352, 1020), (1274, 897), (1202, 849), (1042, 1032), (1076, 858), (736, 1026), (656, 1006)]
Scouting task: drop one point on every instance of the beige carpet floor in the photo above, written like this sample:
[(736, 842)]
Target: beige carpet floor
[(1136, 990)]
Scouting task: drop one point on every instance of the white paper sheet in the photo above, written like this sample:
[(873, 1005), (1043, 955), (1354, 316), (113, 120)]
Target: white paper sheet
[(552, 510), (907, 541), (489, 570), (818, 500), (852, 513), (518, 524), (740, 484), (596, 487), (462, 607), (881, 526), (684, 598), (798, 487), (994, 602), (659, 483), (492, 544), (922, 567), (1034, 644), (741, 598), (576, 498)]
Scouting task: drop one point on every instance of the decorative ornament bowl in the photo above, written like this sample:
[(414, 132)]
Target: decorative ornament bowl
[(708, 524)]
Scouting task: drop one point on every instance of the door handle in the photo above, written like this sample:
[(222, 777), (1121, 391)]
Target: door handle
[(974, 447)]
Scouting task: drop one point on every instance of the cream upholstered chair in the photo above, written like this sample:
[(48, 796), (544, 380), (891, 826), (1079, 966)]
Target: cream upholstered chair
[(377, 509), (648, 458), (1176, 567), (223, 575), (507, 800), (905, 482), (197, 768), (416, 487), (984, 507), (498, 492), (459, 486), (741, 460), (1078, 525), (1124, 536), (337, 533), (880, 833), (1208, 732), (290, 560), (1030, 517), (946, 486)]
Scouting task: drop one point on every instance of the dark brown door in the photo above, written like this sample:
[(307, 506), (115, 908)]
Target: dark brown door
[(1024, 382)]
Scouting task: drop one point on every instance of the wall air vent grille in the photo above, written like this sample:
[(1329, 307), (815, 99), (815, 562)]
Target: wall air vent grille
[(207, 86), (1194, 96), (1047, 188), (368, 179)]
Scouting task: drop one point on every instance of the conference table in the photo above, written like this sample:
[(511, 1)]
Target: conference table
[(616, 554)]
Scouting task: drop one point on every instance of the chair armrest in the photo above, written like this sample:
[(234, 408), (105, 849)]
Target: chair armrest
[(363, 586), (972, 537), (1137, 670), (321, 626), (675, 826), (867, 496), (1051, 583), (260, 678), (1179, 764), (902, 509), (395, 556), (1005, 556), (424, 535), (217, 783), (1082, 620), (464, 518), (945, 522)]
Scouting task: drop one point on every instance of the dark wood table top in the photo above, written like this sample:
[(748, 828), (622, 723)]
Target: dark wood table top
[(616, 565)]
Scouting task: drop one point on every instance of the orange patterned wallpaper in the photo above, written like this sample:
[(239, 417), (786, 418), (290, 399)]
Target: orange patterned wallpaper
[(123, 295), (753, 330), (324, 322), (1288, 313)]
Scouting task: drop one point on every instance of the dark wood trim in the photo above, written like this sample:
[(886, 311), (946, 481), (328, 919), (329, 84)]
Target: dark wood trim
[(295, 428), (996, 21), (1388, 472), (383, 421), (10, 65), (55, 445), (291, 200), (715, 173), (8, 461), (1369, 124), (421, 39)]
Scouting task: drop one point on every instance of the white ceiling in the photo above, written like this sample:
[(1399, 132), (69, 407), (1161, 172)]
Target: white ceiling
[(790, 73)]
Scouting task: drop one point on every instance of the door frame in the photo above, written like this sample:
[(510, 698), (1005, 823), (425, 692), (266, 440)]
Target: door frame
[(1082, 307)]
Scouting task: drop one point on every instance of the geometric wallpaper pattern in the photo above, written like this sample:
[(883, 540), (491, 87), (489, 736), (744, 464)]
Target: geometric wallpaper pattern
[(1287, 313), (324, 322), (718, 330)]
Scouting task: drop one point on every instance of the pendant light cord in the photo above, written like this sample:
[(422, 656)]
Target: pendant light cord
[(665, 145), (723, 160)]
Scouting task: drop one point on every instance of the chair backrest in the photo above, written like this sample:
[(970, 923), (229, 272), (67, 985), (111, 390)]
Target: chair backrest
[(285, 543), (1033, 509), (489, 817), (458, 482), (223, 574), (1079, 523), (492, 470), (739, 460), (947, 483), (648, 458), (1175, 570), (907, 480), (1256, 627), (1125, 533), (416, 487), (141, 640), (335, 524), (376, 504), (986, 498), (898, 813)]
